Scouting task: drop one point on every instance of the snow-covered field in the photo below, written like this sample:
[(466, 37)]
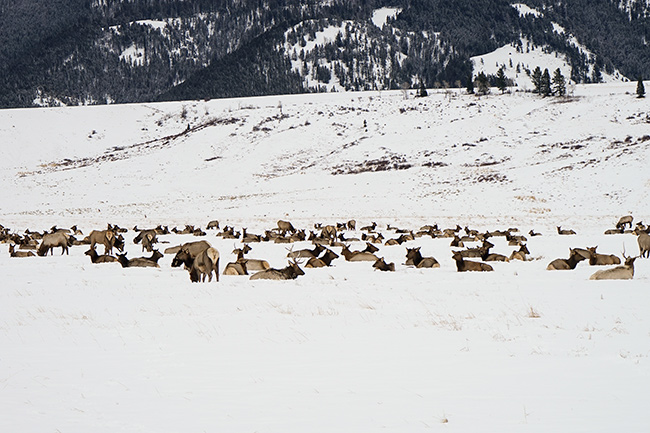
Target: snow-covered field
[(104, 349)]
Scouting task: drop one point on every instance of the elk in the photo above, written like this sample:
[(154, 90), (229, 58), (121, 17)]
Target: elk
[(148, 238), (358, 256), (194, 248), (291, 272), (533, 233), (108, 238), (596, 259), (352, 225), (383, 266), (250, 264), (623, 221), (285, 226), (414, 258), (96, 258), (369, 228), (566, 264), (137, 262), (561, 231), (625, 272), (52, 240), (478, 251), (520, 254), (199, 265), (214, 224), (324, 261), (643, 240), (308, 254), (235, 268), (463, 265), (14, 253)]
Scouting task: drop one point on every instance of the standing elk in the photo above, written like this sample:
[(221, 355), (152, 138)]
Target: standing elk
[(463, 265), (414, 258), (214, 224), (108, 238), (291, 272), (52, 240), (566, 264), (643, 240), (285, 226), (200, 265), (625, 272), (623, 221), (596, 259)]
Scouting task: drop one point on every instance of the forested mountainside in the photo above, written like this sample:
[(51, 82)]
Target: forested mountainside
[(118, 51)]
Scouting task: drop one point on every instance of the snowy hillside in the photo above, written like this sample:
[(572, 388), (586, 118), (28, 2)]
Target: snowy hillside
[(100, 348)]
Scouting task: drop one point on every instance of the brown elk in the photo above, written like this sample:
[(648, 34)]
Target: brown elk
[(643, 239), (291, 272), (324, 261), (307, 254), (52, 240), (235, 268), (200, 266), (194, 248), (463, 265), (561, 231), (285, 226), (383, 266), (596, 259), (108, 238), (250, 264), (414, 258), (214, 224), (137, 262), (96, 258), (623, 221), (369, 228), (478, 251), (352, 225), (14, 253), (624, 272), (358, 256), (566, 264), (520, 254), (532, 233), (148, 238)]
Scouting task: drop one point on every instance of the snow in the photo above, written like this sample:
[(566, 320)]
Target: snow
[(524, 10), (381, 16), (521, 349)]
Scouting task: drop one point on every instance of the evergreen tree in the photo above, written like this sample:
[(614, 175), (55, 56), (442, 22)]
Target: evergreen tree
[(545, 84), (536, 77), (501, 80), (559, 84), (423, 91), (640, 88), (596, 75), (482, 84), (470, 85)]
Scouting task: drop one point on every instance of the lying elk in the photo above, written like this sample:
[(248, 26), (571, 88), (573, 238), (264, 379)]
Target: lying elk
[(14, 253), (96, 258), (52, 240), (414, 258), (383, 266), (575, 257), (235, 268), (520, 254), (623, 221), (643, 240), (596, 259), (625, 272), (358, 256), (291, 272), (307, 254), (140, 262), (561, 231), (250, 264), (463, 265), (324, 261)]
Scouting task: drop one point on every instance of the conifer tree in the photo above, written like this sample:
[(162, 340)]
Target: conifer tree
[(640, 88), (559, 84), (536, 77), (545, 84), (482, 84), (423, 91), (470, 85), (501, 81)]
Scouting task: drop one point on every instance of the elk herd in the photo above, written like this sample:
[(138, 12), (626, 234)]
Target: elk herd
[(201, 259)]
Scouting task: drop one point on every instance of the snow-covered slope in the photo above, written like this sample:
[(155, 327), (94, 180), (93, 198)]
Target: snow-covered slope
[(521, 349)]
